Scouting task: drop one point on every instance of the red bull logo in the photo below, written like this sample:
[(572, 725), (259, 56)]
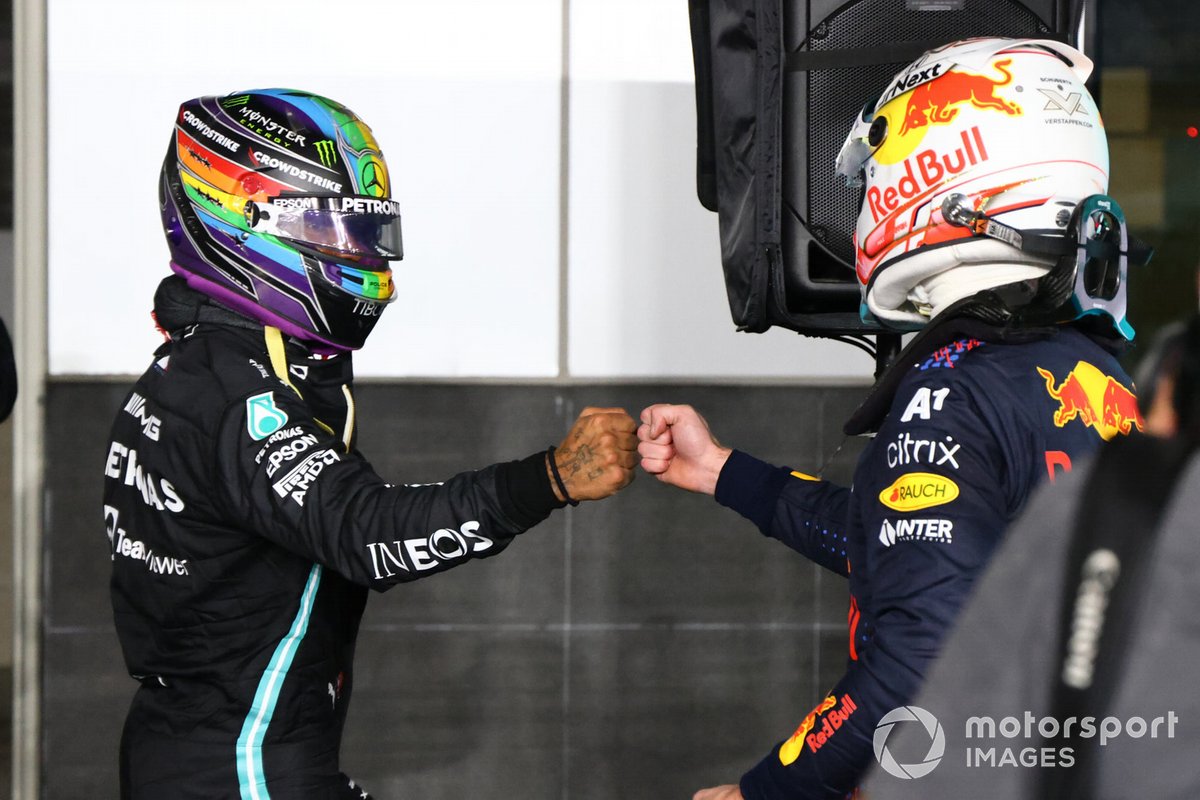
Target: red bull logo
[(790, 750), (924, 172), (937, 102), (1099, 401)]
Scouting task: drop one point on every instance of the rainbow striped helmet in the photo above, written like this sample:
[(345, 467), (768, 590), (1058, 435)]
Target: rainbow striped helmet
[(277, 204)]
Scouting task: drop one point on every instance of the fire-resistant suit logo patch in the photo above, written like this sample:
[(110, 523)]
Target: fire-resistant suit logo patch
[(263, 417)]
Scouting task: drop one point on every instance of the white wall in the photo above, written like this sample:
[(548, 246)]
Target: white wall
[(466, 100)]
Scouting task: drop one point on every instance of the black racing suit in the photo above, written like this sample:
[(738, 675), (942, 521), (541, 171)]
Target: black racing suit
[(972, 426), (245, 531)]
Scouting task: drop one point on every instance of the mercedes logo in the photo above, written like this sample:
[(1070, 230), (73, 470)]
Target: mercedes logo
[(374, 178)]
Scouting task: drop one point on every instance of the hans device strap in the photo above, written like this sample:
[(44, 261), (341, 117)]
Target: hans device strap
[(1110, 554)]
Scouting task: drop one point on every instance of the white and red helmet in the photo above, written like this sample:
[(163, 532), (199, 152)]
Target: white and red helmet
[(1003, 127)]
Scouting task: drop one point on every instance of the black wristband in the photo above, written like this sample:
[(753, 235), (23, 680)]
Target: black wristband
[(562, 487)]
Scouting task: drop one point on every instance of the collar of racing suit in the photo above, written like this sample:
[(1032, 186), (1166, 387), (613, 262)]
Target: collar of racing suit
[(958, 322), (325, 380), (176, 306)]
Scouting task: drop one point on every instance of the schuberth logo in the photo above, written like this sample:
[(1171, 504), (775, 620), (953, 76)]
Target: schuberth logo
[(1097, 400)]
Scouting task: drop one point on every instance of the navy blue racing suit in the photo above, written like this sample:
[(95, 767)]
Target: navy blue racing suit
[(971, 428)]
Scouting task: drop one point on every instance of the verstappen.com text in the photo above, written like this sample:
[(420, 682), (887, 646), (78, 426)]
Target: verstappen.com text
[(1044, 730)]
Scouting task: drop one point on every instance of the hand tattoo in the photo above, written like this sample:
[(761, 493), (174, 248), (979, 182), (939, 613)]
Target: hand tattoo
[(577, 458)]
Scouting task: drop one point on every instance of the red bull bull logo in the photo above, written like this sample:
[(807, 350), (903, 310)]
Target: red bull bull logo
[(790, 750), (937, 102), (1099, 401)]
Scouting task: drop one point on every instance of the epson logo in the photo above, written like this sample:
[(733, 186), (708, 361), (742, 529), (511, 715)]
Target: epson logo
[(288, 452), (305, 203)]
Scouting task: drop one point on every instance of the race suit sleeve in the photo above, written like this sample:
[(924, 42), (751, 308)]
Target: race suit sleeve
[(806, 514), (291, 481), (931, 496)]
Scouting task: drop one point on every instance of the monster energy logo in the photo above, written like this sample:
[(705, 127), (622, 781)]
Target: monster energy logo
[(326, 152), (240, 100)]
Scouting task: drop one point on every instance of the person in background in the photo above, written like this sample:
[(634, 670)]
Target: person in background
[(8, 374), (985, 227), (1125, 637), (245, 526)]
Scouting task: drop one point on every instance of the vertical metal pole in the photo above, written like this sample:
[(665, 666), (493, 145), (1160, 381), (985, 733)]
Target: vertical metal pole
[(29, 340), (564, 198), (887, 347)]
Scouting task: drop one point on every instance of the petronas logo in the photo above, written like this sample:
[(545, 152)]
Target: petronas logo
[(240, 100), (326, 152)]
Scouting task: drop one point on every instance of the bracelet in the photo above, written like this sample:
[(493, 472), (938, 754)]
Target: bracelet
[(562, 487)]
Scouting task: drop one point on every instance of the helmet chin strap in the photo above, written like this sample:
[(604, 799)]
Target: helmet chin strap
[(277, 354), (957, 211), (1091, 258)]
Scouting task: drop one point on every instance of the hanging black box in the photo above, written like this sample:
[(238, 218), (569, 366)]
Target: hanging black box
[(778, 84)]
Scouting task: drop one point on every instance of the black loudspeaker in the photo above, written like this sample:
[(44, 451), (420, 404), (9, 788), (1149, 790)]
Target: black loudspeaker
[(778, 85)]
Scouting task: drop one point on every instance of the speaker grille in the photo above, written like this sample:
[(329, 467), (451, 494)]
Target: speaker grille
[(835, 96)]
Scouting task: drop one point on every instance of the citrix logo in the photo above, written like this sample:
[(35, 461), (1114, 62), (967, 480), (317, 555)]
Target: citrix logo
[(907, 450)]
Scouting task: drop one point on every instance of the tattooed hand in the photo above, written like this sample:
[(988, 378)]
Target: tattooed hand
[(598, 455)]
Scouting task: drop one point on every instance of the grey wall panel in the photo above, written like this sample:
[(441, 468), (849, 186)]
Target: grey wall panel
[(661, 712), (644, 646), (78, 418)]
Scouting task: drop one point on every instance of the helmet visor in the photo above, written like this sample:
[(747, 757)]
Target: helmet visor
[(865, 137), (365, 284), (349, 227)]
